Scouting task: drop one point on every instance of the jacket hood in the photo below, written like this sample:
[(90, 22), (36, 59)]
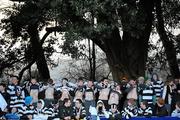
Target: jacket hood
[(42, 102)]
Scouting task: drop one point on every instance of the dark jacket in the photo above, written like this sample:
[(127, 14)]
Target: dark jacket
[(115, 116), (82, 113), (65, 112), (161, 111)]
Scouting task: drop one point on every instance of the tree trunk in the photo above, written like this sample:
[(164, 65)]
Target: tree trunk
[(90, 59), (38, 52), (94, 62), (167, 43), (127, 56)]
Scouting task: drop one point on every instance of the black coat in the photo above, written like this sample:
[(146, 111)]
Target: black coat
[(65, 112)]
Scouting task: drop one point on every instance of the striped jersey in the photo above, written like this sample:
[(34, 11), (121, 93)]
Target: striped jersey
[(13, 91), (81, 112), (158, 87), (129, 111), (16, 96), (145, 112), (148, 94)]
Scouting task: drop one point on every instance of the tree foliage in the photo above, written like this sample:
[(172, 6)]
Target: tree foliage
[(99, 21)]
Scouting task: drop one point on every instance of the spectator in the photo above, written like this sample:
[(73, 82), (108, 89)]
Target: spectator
[(161, 109), (64, 95), (132, 90), (79, 90), (176, 112), (176, 94), (101, 111), (4, 92), (115, 96), (157, 85), (52, 110), (40, 111), (89, 97), (148, 94), (34, 89), (49, 92), (144, 110), (65, 84), (141, 84), (66, 111), (13, 115), (167, 94), (15, 92), (104, 92), (79, 111), (130, 110), (124, 84), (114, 114), (28, 110)]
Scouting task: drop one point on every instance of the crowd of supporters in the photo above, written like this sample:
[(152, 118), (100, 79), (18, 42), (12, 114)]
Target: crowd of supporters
[(90, 100)]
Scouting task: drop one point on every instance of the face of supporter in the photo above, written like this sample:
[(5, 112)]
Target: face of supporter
[(14, 80), (100, 105), (132, 82), (171, 83), (77, 104), (14, 110), (33, 81), (2, 88), (178, 108), (68, 103), (142, 105), (90, 84), (64, 82), (141, 81), (130, 102), (80, 83), (39, 105), (106, 82), (155, 77), (117, 88), (179, 91), (113, 108)]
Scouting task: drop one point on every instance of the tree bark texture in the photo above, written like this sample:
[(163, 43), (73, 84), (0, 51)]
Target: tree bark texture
[(38, 52)]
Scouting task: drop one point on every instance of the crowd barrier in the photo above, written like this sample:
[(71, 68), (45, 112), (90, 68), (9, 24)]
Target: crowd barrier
[(155, 118), (149, 118)]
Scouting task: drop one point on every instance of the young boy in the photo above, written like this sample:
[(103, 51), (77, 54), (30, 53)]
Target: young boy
[(144, 110)]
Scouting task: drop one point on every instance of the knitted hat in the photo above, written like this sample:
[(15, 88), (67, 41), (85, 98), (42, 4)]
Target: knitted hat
[(28, 100)]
